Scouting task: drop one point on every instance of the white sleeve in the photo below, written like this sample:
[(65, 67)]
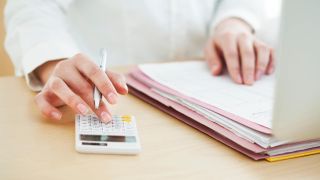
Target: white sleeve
[(251, 11), (36, 33)]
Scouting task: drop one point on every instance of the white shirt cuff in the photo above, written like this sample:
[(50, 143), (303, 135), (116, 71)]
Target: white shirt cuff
[(243, 14), (40, 54)]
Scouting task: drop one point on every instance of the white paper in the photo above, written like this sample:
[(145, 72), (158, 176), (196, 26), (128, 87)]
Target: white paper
[(240, 130), (194, 79)]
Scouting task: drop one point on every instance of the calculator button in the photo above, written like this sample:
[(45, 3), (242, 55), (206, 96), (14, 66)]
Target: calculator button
[(120, 125), (126, 116)]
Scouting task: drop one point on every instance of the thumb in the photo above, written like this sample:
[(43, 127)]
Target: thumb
[(214, 60)]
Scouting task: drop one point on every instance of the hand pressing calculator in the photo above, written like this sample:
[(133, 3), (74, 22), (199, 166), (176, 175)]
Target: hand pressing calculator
[(116, 137)]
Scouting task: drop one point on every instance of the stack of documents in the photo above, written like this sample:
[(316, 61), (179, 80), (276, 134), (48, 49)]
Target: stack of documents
[(237, 115)]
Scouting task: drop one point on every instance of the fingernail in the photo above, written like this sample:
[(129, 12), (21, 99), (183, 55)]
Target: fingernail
[(124, 84), (105, 117), (239, 79), (214, 69), (56, 115), (112, 98), (250, 80), (82, 108)]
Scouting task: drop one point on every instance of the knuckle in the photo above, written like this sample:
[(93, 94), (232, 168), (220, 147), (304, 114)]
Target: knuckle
[(244, 36), (261, 46), (106, 88), (248, 53), (232, 54), (85, 89), (72, 100), (93, 71), (118, 77), (60, 66), (122, 80), (249, 69), (55, 84), (228, 35), (79, 56)]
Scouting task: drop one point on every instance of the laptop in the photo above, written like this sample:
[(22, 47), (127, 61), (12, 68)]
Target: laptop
[(296, 112)]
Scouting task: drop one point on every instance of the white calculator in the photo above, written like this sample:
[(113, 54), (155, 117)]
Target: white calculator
[(119, 136)]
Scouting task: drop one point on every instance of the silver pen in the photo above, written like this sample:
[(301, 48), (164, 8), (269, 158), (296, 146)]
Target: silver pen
[(102, 65)]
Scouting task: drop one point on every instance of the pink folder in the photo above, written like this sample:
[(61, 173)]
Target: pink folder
[(193, 123), (141, 86), (137, 74)]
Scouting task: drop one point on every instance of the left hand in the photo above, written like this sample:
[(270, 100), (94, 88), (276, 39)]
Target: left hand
[(234, 45)]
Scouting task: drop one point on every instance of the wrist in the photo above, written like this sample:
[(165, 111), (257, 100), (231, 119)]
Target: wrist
[(234, 22), (44, 71)]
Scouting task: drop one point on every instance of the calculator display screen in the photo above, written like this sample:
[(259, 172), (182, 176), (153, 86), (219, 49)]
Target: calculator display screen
[(107, 138)]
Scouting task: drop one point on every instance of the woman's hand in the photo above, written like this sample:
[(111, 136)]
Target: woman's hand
[(234, 45), (71, 82)]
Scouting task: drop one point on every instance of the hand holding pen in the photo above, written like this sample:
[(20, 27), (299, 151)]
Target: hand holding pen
[(72, 82)]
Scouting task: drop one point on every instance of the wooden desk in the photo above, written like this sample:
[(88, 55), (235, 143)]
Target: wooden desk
[(35, 148)]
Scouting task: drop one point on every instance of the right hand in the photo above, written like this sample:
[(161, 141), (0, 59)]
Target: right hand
[(71, 82)]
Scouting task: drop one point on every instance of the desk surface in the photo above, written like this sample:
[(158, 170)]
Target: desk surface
[(33, 147)]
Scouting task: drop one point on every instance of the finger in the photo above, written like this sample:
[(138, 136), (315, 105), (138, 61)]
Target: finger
[(74, 79), (78, 84), (213, 59), (271, 65), (263, 58), (119, 82), (52, 98), (231, 56), (103, 112), (247, 59), (84, 89), (97, 76), (59, 87), (46, 108)]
